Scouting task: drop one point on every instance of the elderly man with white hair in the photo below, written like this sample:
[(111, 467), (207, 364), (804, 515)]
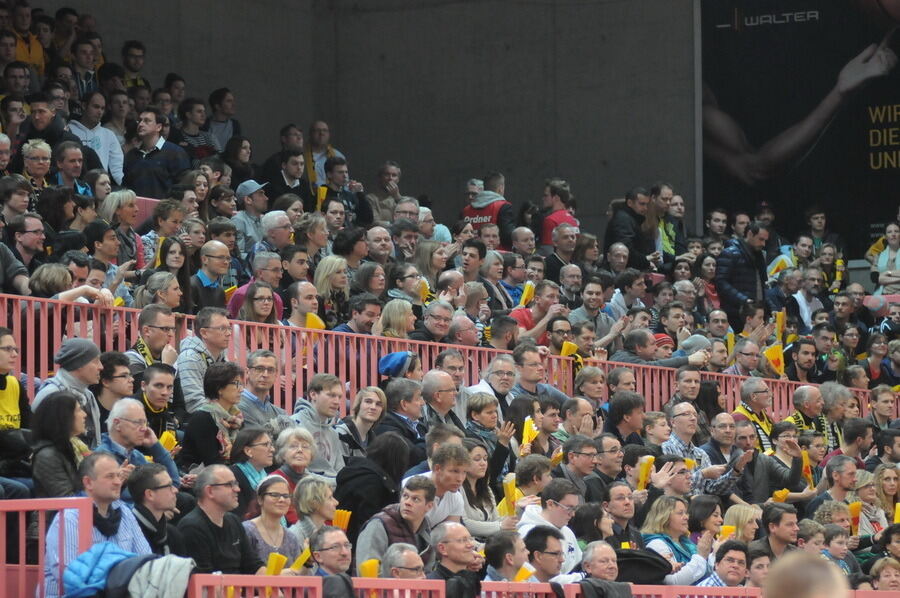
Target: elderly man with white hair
[(432, 230), (402, 561), (277, 231), (128, 434), (497, 380)]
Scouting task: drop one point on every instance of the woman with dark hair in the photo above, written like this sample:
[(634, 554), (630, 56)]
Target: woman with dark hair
[(403, 283), (705, 270), (370, 278), (681, 270), (518, 410), (461, 231), (199, 183), (350, 244), (704, 515), (85, 212), (56, 205), (710, 401), (876, 352), (222, 202), (266, 532), (212, 429), (56, 426), (173, 257), (482, 518), (237, 154), (290, 204), (586, 255), (100, 183), (251, 454), (586, 524), (368, 484), (259, 305)]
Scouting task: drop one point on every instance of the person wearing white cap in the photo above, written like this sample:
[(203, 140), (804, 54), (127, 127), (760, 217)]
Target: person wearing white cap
[(79, 367), (251, 196)]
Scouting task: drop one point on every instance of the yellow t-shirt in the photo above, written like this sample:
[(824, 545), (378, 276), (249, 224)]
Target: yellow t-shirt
[(10, 416)]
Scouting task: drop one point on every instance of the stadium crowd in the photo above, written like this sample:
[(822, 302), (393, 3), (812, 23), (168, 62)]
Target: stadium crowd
[(185, 453)]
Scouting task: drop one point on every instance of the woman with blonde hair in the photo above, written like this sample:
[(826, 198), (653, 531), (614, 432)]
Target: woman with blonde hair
[(476, 305), (120, 210), (887, 487), (357, 430), (665, 532), (590, 384), (430, 259), (333, 286), (161, 287), (872, 519), (745, 520), (492, 272), (311, 231), (315, 504), (397, 319), (36, 165)]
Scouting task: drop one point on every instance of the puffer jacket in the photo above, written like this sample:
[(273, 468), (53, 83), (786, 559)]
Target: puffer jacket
[(739, 272), (87, 574)]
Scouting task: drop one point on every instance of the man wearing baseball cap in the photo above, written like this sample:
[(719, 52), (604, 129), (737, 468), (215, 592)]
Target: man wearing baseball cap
[(251, 196), (79, 367)]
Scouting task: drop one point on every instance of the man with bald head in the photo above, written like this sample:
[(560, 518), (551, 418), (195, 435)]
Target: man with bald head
[(304, 300), (523, 241), (381, 248), (206, 285), (721, 443), (617, 258)]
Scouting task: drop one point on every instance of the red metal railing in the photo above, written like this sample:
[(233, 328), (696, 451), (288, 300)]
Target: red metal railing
[(367, 587), (41, 325), (240, 586), (24, 572)]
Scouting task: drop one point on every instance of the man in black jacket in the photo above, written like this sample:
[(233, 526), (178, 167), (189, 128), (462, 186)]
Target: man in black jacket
[(404, 409), (625, 227), (455, 552), (154, 497), (741, 272)]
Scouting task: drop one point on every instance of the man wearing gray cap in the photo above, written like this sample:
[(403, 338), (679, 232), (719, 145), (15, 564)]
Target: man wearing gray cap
[(79, 367), (251, 196)]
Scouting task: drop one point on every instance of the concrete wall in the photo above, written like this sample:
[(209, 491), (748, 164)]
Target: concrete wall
[(600, 93)]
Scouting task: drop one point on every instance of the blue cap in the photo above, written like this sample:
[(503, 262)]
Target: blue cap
[(395, 364)]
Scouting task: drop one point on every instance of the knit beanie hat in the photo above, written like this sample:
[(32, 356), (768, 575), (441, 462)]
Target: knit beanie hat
[(395, 364), (76, 352)]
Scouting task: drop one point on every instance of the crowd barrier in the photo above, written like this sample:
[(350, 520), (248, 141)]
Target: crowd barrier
[(367, 587), (41, 325), (23, 526), (254, 586)]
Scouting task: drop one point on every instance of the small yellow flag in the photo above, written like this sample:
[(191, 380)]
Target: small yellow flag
[(527, 293), (775, 356)]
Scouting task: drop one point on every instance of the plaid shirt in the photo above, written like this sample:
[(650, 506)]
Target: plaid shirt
[(721, 486), (713, 581)]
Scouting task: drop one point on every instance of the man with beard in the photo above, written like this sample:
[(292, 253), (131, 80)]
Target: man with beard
[(804, 366), (606, 328), (504, 333), (498, 380), (570, 286)]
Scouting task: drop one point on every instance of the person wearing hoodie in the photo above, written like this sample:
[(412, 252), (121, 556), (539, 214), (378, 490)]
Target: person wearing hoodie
[(559, 499), (490, 207), (79, 367), (318, 414), (98, 138), (212, 335)]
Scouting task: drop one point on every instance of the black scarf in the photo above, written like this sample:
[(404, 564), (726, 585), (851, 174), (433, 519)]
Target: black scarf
[(109, 525), (155, 531)]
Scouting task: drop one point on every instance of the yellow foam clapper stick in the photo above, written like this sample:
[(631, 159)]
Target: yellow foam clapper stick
[(690, 464), (275, 564), (897, 513), (779, 324), (301, 560), (229, 292), (625, 546), (855, 510), (726, 531), (780, 495), (168, 440), (321, 194), (423, 290), (807, 468), (529, 430), (775, 356), (568, 348), (523, 573), (729, 342), (314, 321), (509, 491), (644, 470), (556, 459), (118, 302), (527, 293), (369, 568), (229, 592)]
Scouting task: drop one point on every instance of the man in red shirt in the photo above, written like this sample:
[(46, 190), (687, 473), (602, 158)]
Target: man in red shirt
[(533, 320), (556, 205), (490, 207)]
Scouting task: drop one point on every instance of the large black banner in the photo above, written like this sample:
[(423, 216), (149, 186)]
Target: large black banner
[(801, 107)]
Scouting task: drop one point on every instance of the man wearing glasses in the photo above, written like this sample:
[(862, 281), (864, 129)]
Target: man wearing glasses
[(213, 536), (154, 501), (434, 329), (559, 499), (755, 401), (267, 268), (580, 456), (27, 232), (256, 398), (332, 552), (128, 436), (277, 232), (455, 548), (156, 324), (212, 336), (206, 285)]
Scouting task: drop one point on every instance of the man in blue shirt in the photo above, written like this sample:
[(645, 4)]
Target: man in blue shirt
[(256, 398)]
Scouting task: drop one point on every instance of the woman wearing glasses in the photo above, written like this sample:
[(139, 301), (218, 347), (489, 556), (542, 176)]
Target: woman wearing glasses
[(36, 166), (266, 532), (213, 428), (251, 454), (405, 283)]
